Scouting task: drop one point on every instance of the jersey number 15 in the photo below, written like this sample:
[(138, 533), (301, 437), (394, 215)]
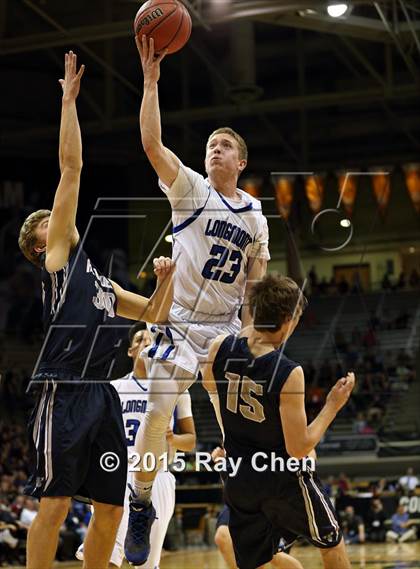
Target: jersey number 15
[(252, 410)]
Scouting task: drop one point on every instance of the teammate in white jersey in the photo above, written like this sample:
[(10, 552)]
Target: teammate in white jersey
[(220, 247), (133, 391)]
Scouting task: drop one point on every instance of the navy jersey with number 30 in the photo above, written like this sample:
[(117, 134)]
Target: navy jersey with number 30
[(77, 305)]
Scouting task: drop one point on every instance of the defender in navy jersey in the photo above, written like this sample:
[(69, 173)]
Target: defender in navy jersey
[(258, 394), (77, 416)]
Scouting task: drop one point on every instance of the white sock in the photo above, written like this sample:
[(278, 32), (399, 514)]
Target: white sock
[(143, 491)]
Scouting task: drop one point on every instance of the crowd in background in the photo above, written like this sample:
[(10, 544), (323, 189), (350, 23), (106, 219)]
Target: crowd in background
[(379, 376), (17, 511), (380, 373), (374, 525), (342, 286)]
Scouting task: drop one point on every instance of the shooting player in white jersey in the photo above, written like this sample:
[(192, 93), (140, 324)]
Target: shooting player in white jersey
[(220, 247), (133, 392)]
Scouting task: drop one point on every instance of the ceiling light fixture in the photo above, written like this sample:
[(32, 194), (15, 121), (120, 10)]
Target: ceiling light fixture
[(336, 10)]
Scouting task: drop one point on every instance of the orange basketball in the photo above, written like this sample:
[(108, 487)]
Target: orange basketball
[(168, 22)]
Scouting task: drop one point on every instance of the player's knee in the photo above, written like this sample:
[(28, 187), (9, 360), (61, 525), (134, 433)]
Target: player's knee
[(157, 420), (107, 514), (54, 510), (222, 538), (339, 545), (335, 556)]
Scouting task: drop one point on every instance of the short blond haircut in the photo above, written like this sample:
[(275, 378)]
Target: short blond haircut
[(27, 237), (243, 150)]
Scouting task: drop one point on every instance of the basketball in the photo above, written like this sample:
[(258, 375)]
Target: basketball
[(168, 22)]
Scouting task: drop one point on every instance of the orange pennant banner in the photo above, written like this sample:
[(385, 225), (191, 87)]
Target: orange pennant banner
[(412, 179), (315, 189), (252, 186), (347, 188), (284, 189), (381, 184)]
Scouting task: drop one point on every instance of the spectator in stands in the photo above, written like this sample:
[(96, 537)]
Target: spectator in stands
[(343, 286), (11, 551), (331, 487), (402, 281), (375, 521), (414, 279), (313, 279), (344, 484), (323, 286), (402, 527), (28, 513), (332, 286), (8, 543), (375, 412), (309, 319), (353, 527), (409, 482), (359, 423), (356, 283), (7, 492), (17, 505), (386, 282), (368, 376), (382, 486), (404, 376)]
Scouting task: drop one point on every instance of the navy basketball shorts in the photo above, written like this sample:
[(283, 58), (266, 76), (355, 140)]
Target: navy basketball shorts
[(223, 520), (268, 506), (78, 443)]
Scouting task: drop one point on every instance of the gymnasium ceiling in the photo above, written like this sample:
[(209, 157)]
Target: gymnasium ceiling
[(305, 90)]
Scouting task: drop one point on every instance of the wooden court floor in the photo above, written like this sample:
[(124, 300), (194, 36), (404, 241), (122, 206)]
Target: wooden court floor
[(369, 556)]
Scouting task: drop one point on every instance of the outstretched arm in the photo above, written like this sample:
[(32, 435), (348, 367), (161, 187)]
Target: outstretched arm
[(164, 162), (156, 308), (301, 438), (209, 383), (62, 233)]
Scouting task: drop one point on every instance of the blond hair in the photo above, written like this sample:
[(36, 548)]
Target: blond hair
[(242, 148), (27, 237)]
